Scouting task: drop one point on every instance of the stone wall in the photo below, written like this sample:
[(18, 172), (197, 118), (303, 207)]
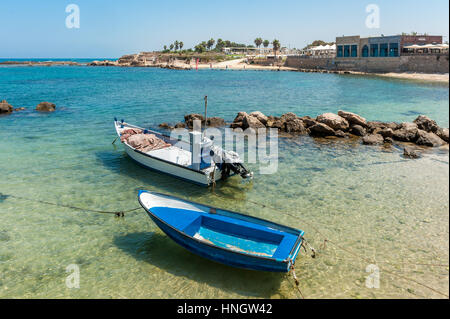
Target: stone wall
[(426, 63), (309, 63), (438, 63)]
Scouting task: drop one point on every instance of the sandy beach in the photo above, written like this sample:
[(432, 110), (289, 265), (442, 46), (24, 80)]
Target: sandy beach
[(238, 64), (419, 76)]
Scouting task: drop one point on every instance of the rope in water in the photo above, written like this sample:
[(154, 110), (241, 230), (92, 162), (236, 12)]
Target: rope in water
[(116, 213), (326, 240)]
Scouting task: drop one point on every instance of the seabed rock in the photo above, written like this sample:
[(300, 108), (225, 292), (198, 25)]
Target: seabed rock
[(46, 107), (5, 107), (374, 139), (410, 153)]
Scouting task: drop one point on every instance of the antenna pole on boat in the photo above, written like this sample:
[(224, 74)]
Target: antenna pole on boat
[(206, 106)]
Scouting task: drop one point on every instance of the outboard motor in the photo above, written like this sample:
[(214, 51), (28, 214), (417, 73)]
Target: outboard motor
[(228, 161)]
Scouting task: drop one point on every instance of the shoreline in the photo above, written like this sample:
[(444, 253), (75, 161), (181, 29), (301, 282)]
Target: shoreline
[(239, 65)]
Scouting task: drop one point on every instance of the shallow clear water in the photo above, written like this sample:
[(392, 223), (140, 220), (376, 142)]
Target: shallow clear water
[(368, 200)]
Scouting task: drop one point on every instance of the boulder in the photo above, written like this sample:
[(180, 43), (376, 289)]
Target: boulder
[(165, 126), (443, 133), (373, 139), (353, 118), (376, 126), (333, 121), (260, 116), (358, 130), (190, 118), (215, 121), (251, 122), (5, 107), (340, 134), (180, 125), (275, 122), (289, 117), (388, 140), (428, 139), (425, 123), (321, 130), (238, 120), (406, 133), (386, 132), (410, 153), (46, 107), (308, 122), (240, 117), (295, 126), (19, 109)]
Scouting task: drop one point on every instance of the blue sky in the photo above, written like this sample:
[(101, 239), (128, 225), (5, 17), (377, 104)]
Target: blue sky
[(37, 29)]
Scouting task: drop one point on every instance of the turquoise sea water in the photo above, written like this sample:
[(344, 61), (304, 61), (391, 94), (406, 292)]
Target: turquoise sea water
[(368, 200)]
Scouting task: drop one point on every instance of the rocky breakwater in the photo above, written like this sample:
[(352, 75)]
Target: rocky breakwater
[(189, 122), (103, 63), (423, 131)]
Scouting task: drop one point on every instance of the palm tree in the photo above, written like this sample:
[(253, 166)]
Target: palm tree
[(171, 47), (210, 43), (258, 42), (181, 44), (276, 46), (266, 43), (176, 45)]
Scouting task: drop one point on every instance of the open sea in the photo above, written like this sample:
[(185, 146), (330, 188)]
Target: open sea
[(376, 209)]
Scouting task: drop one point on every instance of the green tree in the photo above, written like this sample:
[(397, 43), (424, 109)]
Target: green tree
[(171, 47), (165, 48), (176, 44), (266, 43), (219, 45), (258, 42), (276, 46), (181, 44), (200, 48), (210, 43)]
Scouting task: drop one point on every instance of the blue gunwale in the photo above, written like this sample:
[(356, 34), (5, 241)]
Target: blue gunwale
[(290, 260)]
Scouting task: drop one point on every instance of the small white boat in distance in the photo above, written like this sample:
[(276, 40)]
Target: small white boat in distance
[(174, 157)]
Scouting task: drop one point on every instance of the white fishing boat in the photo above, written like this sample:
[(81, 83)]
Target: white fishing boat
[(198, 160)]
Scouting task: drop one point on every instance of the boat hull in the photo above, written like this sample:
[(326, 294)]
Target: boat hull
[(220, 256), (166, 167), (223, 236), (176, 171)]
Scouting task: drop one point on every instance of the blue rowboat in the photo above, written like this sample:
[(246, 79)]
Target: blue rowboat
[(227, 237)]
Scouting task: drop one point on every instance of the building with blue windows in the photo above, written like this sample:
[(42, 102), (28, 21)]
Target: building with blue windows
[(373, 47)]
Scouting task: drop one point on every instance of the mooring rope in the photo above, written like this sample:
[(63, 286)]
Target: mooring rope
[(297, 283), (366, 260), (326, 240), (116, 213)]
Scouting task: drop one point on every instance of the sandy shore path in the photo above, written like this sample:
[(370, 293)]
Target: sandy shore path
[(443, 78)]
